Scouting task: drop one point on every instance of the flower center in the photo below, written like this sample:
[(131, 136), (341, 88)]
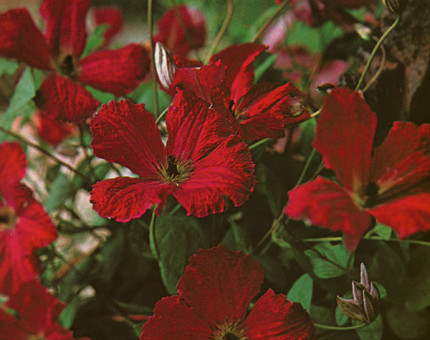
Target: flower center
[(230, 331), (371, 192), (175, 171), (67, 66), (7, 218)]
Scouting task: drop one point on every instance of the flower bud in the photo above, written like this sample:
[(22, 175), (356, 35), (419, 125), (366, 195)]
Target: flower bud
[(395, 6), (164, 65), (364, 306)]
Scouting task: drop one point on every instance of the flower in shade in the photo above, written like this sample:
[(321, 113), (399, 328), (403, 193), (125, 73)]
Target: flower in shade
[(24, 224), (60, 51), (390, 183), (36, 315), (214, 295), (171, 29), (200, 165), (254, 111)]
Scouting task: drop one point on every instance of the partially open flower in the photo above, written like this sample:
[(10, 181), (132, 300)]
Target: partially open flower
[(395, 6), (164, 65), (364, 306)]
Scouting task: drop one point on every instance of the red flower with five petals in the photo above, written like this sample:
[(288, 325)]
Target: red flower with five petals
[(390, 183), (24, 224), (60, 49), (214, 295), (200, 165)]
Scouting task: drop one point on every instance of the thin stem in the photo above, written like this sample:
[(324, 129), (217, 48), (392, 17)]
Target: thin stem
[(378, 73), (260, 142), (161, 115), (152, 234), (375, 49), (84, 148), (175, 209), (340, 328), (270, 20), (221, 31), (370, 238), (151, 48), (45, 152)]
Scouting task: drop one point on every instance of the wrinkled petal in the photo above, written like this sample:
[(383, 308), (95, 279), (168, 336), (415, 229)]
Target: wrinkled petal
[(171, 29), (407, 215), (227, 171), (115, 71), (65, 25), (111, 16), (126, 134), (402, 162), (326, 204), (13, 164), (20, 39), (174, 319), (219, 285), (275, 317), (344, 137), (63, 99), (125, 198)]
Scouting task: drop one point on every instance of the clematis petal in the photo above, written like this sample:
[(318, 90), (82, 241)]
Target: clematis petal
[(65, 26), (51, 130), (13, 164), (402, 162), (326, 204), (171, 29), (111, 16), (227, 171), (115, 71), (125, 198), (407, 215), (239, 72), (174, 319), (344, 137), (125, 133), (273, 316), (22, 40), (226, 298), (63, 99)]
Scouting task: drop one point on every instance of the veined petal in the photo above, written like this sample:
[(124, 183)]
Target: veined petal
[(226, 171), (174, 319), (275, 317), (13, 164), (20, 39), (326, 204), (115, 71), (65, 25), (344, 137), (219, 285), (63, 99), (125, 198), (125, 133), (407, 215)]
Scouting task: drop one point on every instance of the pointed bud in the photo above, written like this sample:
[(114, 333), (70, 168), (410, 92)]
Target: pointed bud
[(395, 6), (164, 65)]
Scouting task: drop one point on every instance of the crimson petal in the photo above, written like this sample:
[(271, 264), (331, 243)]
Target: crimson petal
[(118, 71), (111, 16), (326, 204), (238, 279), (13, 164), (344, 137), (273, 316), (22, 40)]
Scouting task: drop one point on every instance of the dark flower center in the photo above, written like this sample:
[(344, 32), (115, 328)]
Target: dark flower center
[(7, 218), (230, 336), (175, 171), (371, 192), (237, 114), (230, 331), (67, 66)]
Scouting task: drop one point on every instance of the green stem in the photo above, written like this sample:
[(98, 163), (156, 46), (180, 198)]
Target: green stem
[(370, 238), (221, 32), (375, 49), (340, 328), (151, 48), (161, 115), (152, 234), (45, 152), (260, 142), (270, 20), (84, 148), (175, 209)]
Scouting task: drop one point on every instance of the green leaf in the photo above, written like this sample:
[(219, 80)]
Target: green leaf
[(373, 331), (418, 290), (408, 325), (24, 92), (328, 260), (341, 319), (307, 136), (95, 40), (383, 231), (301, 291), (8, 66), (69, 312), (264, 66), (177, 237), (61, 189)]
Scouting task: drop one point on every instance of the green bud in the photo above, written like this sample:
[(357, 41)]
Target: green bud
[(395, 6)]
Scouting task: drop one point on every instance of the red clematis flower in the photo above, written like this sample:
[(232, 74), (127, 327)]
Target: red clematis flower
[(60, 49), (24, 224), (254, 111), (390, 183), (214, 295), (171, 29), (200, 165), (38, 314)]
